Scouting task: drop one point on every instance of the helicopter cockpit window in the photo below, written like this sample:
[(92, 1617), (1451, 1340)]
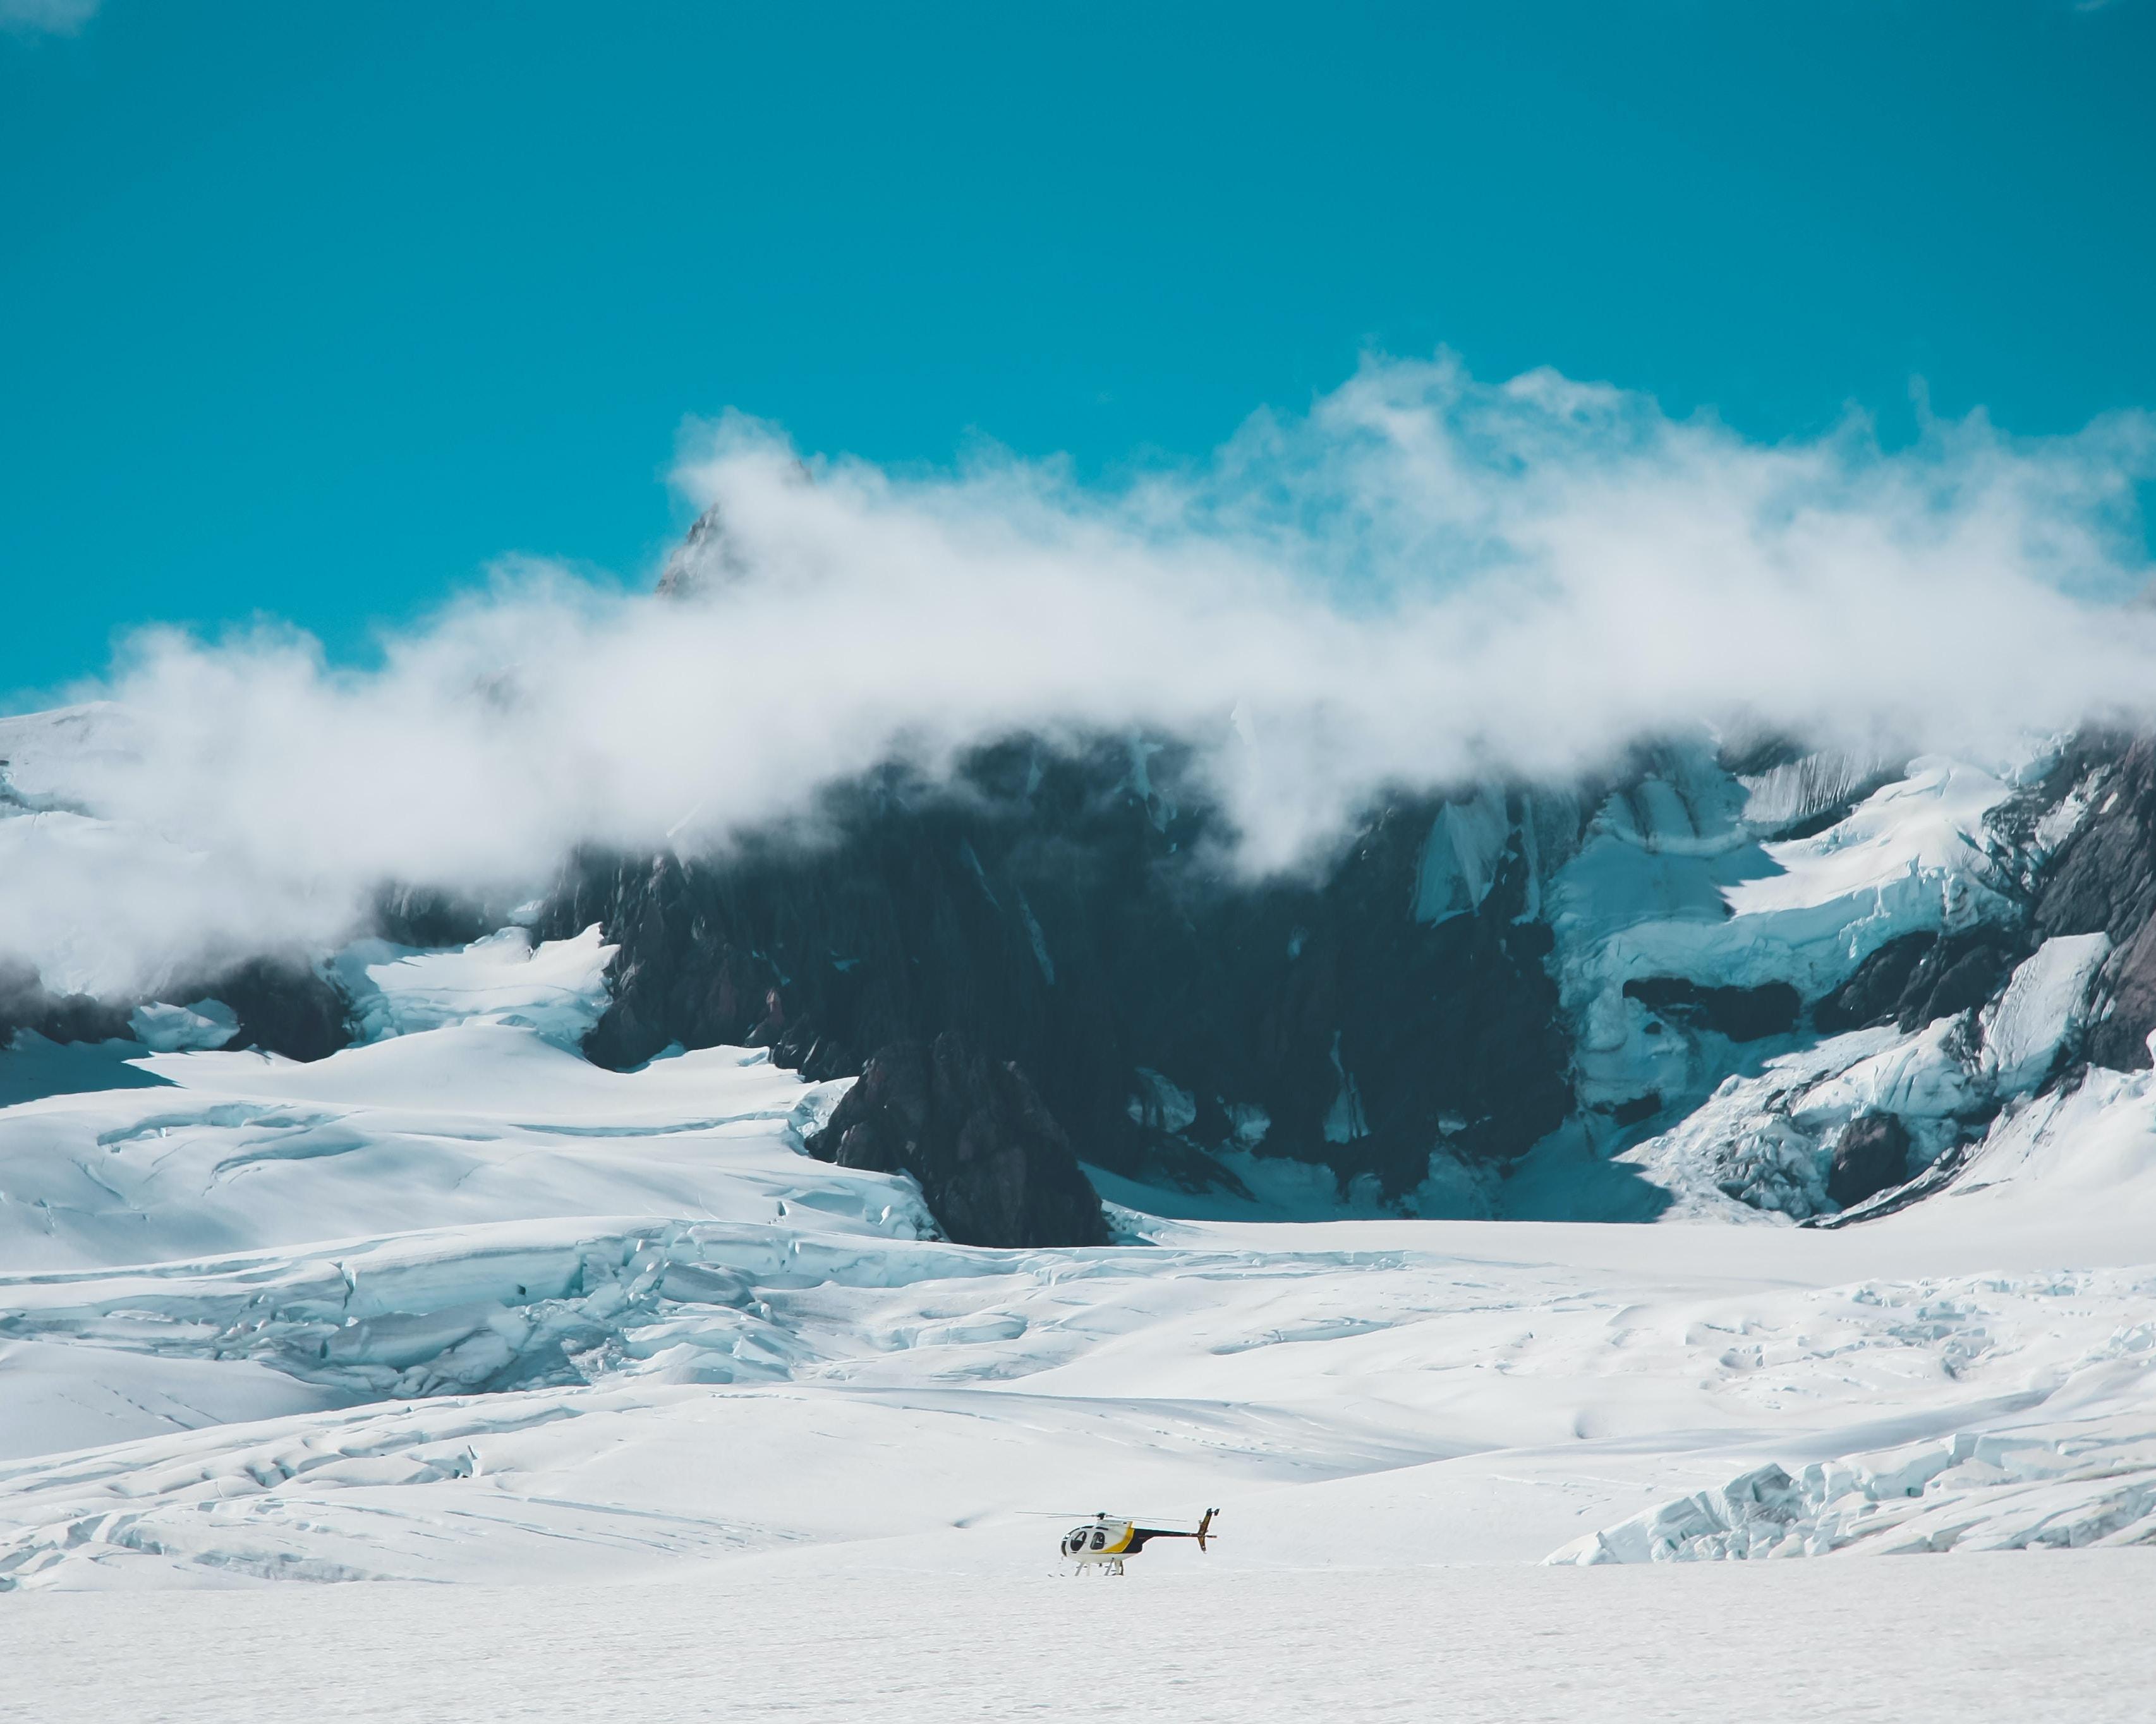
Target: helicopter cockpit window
[(1100, 1541)]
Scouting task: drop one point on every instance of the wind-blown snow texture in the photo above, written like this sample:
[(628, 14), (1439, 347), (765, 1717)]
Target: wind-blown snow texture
[(455, 1303)]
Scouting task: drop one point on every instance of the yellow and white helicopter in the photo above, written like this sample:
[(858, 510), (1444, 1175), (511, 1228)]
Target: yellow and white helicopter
[(1105, 1541)]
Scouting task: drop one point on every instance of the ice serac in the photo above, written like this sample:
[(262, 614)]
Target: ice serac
[(2089, 1483), (1793, 792), (993, 1164), (556, 989), (165, 1028), (2037, 1016), (1688, 935)]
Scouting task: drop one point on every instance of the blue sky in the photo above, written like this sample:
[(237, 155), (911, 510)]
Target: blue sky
[(313, 310)]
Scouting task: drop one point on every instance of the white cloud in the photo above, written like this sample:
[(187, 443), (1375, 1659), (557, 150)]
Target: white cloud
[(1422, 580), (61, 17)]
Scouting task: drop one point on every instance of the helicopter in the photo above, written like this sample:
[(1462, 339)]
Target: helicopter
[(1106, 1541)]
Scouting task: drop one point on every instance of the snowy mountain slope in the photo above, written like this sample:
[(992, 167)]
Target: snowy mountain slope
[(1768, 1146), (2066, 1167), (457, 1302), (474, 1123), (1576, 966), (505, 1384), (1675, 881)]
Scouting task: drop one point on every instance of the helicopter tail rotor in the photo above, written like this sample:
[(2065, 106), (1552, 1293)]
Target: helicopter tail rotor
[(1205, 1526)]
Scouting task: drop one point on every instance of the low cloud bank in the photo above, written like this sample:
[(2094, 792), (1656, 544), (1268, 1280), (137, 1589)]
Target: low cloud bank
[(1424, 581)]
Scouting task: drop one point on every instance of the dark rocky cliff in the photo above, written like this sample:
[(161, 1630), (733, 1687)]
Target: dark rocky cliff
[(1074, 913), (282, 1004), (994, 1166), (2104, 881)]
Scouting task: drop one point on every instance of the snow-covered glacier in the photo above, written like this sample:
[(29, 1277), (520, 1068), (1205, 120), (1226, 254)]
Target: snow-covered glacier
[(460, 1301), (570, 1322)]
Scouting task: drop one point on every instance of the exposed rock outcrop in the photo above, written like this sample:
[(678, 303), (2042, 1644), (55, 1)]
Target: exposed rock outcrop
[(993, 1165), (283, 1004), (1075, 912), (1918, 978), (705, 559), (428, 917), (25, 1004), (2104, 881), (1743, 1014), (1872, 1157)]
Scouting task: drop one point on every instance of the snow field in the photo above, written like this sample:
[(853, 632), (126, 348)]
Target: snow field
[(534, 1399), (687, 1414), (2052, 1639), (481, 1121), (491, 1371)]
